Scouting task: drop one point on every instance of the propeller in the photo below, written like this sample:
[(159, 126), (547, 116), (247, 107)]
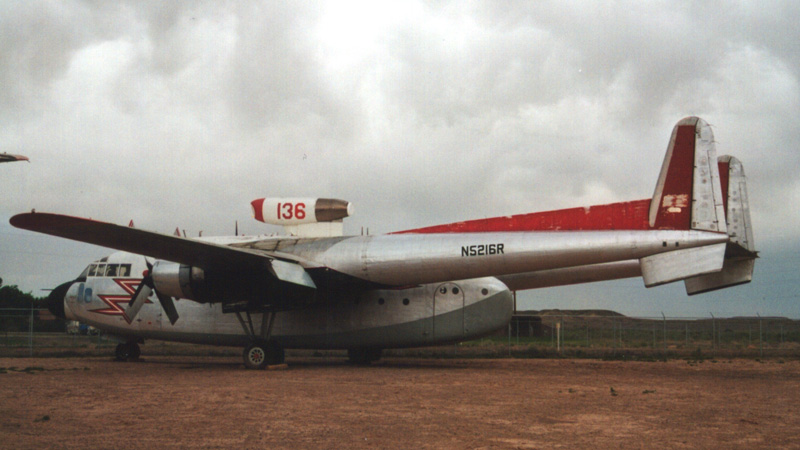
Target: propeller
[(147, 287)]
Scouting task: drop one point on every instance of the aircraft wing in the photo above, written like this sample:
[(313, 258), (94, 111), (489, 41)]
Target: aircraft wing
[(206, 255)]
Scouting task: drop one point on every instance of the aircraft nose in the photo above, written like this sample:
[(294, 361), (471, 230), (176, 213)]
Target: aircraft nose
[(55, 301)]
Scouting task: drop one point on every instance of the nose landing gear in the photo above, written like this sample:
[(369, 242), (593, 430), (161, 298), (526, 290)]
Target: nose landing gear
[(128, 351)]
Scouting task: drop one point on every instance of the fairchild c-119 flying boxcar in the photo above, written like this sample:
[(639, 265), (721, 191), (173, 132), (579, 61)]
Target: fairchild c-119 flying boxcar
[(319, 289)]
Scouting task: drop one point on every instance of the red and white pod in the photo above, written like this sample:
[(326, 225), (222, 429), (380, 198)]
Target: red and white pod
[(297, 211)]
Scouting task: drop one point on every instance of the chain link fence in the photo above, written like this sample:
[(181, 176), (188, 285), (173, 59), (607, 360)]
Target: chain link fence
[(610, 335), (32, 332)]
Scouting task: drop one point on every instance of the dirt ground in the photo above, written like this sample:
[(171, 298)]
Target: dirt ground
[(204, 402)]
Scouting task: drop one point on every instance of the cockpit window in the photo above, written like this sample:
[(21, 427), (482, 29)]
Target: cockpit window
[(107, 270)]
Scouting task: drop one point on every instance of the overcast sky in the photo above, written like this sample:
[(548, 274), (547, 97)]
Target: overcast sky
[(179, 114)]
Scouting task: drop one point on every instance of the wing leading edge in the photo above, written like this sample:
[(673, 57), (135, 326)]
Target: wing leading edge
[(205, 255)]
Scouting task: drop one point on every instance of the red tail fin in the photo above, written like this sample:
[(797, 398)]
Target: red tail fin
[(688, 194)]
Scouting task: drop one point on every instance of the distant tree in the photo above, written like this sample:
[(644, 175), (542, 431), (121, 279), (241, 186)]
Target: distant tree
[(12, 300)]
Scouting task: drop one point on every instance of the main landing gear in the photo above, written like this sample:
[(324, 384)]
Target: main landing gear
[(262, 351), (260, 354), (127, 351), (363, 356)]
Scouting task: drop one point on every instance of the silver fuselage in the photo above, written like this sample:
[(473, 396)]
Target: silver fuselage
[(447, 286)]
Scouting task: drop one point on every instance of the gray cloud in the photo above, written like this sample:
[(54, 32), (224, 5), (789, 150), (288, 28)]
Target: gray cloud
[(179, 114)]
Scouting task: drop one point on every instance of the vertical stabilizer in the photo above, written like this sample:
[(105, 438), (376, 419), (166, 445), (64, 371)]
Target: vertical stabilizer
[(737, 205), (740, 253), (688, 194)]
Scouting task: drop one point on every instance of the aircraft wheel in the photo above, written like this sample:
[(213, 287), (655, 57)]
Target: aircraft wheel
[(259, 355), (275, 353), (135, 351), (363, 356), (127, 351)]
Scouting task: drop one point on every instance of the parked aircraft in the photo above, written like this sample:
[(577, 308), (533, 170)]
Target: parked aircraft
[(449, 283)]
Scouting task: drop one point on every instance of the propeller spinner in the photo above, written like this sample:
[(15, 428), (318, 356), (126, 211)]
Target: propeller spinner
[(147, 287)]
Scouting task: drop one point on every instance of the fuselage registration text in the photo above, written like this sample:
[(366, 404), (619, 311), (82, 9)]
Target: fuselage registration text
[(482, 249)]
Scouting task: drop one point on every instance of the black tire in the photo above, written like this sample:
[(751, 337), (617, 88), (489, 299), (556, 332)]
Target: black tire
[(259, 355), (128, 351), (363, 356), (275, 354), (255, 357), (121, 353), (135, 351)]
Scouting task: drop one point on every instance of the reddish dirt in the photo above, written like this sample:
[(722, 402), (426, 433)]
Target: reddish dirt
[(199, 402)]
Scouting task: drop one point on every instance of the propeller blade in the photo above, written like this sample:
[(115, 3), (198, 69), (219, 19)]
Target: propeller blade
[(147, 287), (137, 301), (169, 307)]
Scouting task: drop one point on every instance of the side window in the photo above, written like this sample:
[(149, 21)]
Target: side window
[(111, 270), (92, 270), (101, 270), (124, 270)]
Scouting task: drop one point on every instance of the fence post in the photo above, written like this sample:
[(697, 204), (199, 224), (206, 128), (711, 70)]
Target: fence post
[(713, 331), (760, 340), (509, 338), (587, 335), (654, 335), (30, 333), (664, 318), (686, 326), (558, 336)]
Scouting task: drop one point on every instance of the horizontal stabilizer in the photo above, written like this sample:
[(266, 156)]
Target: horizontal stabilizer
[(734, 272), (681, 264)]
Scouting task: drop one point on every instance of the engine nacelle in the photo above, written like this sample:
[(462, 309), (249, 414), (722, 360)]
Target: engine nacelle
[(297, 211), (179, 281)]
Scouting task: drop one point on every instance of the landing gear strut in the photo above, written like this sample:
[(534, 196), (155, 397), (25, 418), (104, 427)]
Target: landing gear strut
[(262, 351), (128, 351)]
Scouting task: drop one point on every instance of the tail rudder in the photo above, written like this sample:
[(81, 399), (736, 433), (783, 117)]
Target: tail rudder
[(740, 252), (688, 194), (737, 204)]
